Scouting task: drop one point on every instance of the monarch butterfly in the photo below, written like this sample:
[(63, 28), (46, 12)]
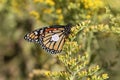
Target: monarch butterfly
[(50, 38)]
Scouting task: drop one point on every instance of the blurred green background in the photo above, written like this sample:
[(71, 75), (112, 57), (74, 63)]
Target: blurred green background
[(18, 58)]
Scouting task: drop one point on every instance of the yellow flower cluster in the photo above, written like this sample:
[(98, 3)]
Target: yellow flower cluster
[(79, 27), (96, 28), (39, 1), (60, 15), (105, 76), (82, 73), (116, 29), (49, 2), (47, 73), (47, 11), (59, 11), (37, 72), (35, 14), (102, 77), (93, 4), (73, 61), (101, 27), (71, 46), (16, 7), (60, 19), (93, 69)]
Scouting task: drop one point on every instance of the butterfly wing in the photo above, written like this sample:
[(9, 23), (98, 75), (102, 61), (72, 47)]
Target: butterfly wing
[(53, 39), (50, 38), (34, 36)]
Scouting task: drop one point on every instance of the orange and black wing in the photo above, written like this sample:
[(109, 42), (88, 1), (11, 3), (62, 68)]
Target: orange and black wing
[(50, 38), (34, 36)]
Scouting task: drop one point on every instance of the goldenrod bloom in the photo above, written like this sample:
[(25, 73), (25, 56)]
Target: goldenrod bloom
[(61, 17), (39, 1), (35, 14), (58, 11), (105, 76), (50, 2), (47, 73), (48, 11)]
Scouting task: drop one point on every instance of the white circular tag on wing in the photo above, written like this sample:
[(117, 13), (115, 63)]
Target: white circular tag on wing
[(55, 37)]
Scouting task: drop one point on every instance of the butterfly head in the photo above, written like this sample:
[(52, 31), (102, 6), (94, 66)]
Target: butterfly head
[(68, 29)]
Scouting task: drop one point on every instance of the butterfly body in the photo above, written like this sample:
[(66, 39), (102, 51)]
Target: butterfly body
[(51, 38)]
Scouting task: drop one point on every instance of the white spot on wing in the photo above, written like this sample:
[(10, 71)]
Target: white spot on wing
[(36, 40), (36, 32), (55, 37), (41, 31), (27, 35)]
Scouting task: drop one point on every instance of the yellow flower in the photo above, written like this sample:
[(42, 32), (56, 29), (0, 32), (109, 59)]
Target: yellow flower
[(61, 17), (97, 67), (16, 7), (48, 11), (58, 21), (88, 78), (92, 4), (58, 11), (105, 76), (50, 2), (88, 16), (47, 73), (39, 1), (55, 73), (94, 77), (83, 73), (35, 14)]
